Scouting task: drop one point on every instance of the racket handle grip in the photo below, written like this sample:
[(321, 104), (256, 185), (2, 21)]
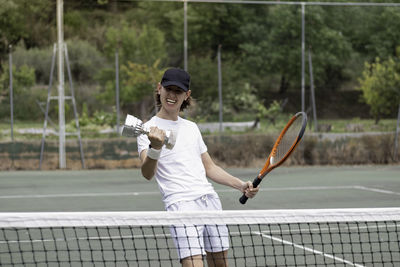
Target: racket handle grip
[(243, 199)]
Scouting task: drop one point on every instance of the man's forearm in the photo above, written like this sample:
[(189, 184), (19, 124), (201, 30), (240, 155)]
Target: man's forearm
[(219, 175), (149, 165)]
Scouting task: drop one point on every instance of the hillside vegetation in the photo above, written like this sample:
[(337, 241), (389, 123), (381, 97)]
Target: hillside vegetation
[(355, 57)]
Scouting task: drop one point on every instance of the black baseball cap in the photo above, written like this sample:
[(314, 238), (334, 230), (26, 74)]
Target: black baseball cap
[(177, 77)]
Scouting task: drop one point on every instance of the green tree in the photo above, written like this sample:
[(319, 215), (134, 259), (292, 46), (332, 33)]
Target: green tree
[(141, 53), (85, 61), (273, 47), (331, 50), (168, 18), (10, 26), (144, 45), (122, 38), (372, 31), (138, 82), (25, 21), (24, 98), (380, 84), (23, 77)]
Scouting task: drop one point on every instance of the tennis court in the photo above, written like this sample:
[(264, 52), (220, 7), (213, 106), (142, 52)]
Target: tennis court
[(304, 243), (127, 190)]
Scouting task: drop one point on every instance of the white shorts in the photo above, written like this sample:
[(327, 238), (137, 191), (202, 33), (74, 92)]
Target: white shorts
[(193, 240)]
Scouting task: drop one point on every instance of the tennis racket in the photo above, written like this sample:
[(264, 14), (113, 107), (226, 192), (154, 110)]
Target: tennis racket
[(286, 143)]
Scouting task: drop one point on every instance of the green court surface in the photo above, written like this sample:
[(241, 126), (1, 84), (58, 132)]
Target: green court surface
[(127, 190), (307, 244)]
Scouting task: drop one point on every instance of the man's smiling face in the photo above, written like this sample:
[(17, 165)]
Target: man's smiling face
[(172, 97)]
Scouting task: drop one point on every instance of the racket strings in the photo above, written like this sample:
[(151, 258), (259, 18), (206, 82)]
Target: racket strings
[(288, 140)]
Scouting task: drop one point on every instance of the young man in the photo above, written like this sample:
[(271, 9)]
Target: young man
[(182, 172)]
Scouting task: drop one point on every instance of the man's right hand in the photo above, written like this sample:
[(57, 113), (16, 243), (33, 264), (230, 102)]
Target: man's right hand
[(156, 137)]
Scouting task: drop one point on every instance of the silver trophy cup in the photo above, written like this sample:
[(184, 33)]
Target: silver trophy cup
[(134, 127)]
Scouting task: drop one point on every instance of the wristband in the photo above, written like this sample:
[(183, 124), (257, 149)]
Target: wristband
[(153, 153)]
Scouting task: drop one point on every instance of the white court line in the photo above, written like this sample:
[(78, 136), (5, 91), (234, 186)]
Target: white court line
[(82, 195), (116, 194), (115, 237), (336, 229), (157, 192), (377, 190), (309, 250), (297, 188)]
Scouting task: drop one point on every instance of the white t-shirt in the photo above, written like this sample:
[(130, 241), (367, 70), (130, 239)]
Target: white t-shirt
[(180, 171)]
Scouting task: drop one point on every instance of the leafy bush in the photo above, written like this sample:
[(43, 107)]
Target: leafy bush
[(103, 118), (38, 59), (24, 97), (143, 46), (85, 61), (380, 85), (99, 118)]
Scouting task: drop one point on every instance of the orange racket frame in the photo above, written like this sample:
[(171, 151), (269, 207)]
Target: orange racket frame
[(268, 166)]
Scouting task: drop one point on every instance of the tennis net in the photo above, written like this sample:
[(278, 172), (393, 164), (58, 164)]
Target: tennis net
[(317, 237)]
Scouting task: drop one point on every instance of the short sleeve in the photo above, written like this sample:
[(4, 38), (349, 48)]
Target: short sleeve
[(202, 145)]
